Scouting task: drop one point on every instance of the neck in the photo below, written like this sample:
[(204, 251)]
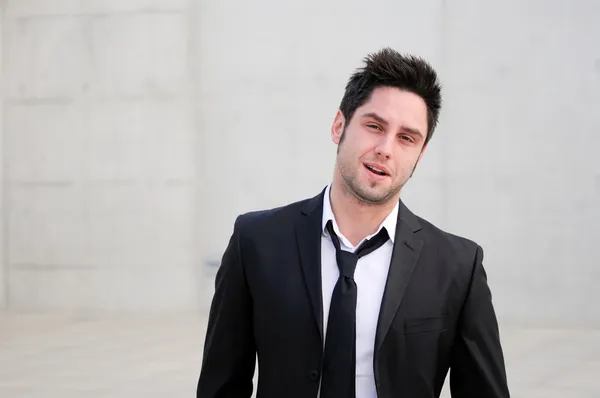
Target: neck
[(355, 218)]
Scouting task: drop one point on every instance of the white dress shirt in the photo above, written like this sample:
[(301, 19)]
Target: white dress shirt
[(370, 277)]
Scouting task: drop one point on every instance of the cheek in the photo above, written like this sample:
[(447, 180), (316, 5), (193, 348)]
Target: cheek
[(352, 149), (407, 160), (346, 152)]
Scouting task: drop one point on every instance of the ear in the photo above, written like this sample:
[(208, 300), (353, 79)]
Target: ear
[(337, 128)]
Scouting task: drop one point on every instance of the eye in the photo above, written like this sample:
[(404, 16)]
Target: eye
[(373, 126), (406, 138)]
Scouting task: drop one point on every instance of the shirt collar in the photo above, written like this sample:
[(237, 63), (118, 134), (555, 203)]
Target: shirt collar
[(389, 223)]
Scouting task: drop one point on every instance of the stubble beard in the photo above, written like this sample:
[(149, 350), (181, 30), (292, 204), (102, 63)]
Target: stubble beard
[(367, 193), (352, 185)]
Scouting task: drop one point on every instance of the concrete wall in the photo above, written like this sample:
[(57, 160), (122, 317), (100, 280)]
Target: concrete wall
[(523, 84), (98, 140), (135, 132), (3, 256)]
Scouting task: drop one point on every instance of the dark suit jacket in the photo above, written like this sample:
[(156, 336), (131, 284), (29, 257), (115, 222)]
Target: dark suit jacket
[(436, 312)]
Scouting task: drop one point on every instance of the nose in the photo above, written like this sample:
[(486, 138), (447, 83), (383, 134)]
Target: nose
[(384, 146)]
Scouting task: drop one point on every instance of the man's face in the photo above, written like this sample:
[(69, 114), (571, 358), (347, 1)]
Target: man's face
[(381, 144)]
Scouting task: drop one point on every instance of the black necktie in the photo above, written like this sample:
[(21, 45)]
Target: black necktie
[(339, 362)]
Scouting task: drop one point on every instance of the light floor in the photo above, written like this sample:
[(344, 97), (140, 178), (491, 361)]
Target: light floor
[(50, 356)]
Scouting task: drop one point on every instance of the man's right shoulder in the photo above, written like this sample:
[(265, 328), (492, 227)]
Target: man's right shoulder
[(271, 217)]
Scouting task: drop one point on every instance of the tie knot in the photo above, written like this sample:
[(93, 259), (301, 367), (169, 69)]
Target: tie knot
[(346, 263), (346, 260)]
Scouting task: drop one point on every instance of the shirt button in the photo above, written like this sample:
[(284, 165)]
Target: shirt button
[(314, 375)]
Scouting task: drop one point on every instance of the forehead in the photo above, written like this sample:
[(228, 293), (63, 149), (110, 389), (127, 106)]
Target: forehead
[(397, 107)]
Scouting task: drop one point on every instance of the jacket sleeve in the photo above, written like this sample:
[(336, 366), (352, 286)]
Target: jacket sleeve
[(477, 368), (229, 352)]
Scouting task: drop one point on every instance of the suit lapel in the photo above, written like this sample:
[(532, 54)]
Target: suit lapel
[(407, 248), (308, 235)]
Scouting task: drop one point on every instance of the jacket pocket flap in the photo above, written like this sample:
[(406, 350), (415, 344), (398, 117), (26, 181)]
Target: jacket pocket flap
[(426, 325)]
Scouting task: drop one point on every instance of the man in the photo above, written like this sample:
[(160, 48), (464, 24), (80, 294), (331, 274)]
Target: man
[(327, 316)]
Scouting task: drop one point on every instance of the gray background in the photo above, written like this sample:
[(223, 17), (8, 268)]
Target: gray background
[(134, 132)]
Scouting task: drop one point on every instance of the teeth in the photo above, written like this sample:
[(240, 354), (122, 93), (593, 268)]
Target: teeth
[(376, 170)]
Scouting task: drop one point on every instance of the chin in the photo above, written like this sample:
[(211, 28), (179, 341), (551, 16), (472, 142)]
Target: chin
[(370, 195)]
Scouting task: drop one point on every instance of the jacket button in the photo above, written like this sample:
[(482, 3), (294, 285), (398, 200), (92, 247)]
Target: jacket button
[(314, 375)]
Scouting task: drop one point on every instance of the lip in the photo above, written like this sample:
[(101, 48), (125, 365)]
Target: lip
[(377, 166)]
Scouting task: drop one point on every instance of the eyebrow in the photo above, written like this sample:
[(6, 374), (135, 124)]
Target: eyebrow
[(384, 122)]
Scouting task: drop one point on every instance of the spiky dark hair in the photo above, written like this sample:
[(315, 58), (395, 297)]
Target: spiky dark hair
[(388, 67)]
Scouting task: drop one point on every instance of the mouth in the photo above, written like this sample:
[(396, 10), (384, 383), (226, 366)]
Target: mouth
[(376, 170)]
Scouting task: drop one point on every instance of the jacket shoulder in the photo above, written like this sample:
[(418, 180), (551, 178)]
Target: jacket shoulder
[(450, 244), (271, 218)]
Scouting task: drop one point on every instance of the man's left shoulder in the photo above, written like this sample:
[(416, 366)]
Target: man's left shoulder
[(448, 244)]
